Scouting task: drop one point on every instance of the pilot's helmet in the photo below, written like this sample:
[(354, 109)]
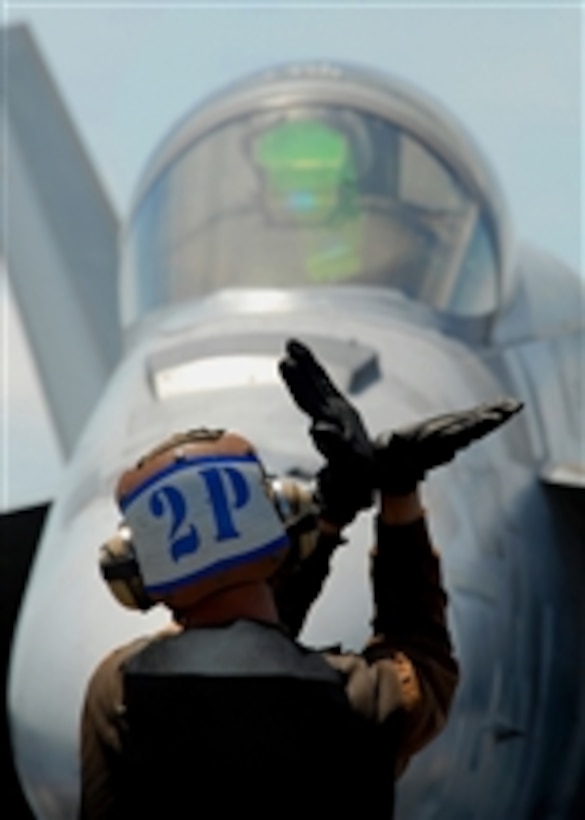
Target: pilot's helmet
[(200, 515), (310, 167)]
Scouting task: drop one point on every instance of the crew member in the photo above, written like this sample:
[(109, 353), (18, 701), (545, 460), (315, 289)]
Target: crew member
[(226, 710)]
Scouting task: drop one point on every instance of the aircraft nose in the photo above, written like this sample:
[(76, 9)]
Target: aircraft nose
[(233, 381)]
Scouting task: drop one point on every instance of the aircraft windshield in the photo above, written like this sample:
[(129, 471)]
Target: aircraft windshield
[(315, 196)]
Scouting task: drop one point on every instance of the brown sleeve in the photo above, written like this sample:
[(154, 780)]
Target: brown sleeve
[(408, 666), (102, 727), (299, 585), (411, 635)]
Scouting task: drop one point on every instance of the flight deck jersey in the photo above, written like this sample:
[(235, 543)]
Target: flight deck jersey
[(243, 717)]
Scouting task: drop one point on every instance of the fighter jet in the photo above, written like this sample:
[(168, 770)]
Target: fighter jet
[(344, 207)]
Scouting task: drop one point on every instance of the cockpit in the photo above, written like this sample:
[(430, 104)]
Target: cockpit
[(310, 195)]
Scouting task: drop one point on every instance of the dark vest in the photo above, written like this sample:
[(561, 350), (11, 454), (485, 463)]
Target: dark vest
[(242, 718)]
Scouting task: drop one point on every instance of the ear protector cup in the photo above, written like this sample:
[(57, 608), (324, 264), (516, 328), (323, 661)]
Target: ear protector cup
[(120, 570), (295, 503)]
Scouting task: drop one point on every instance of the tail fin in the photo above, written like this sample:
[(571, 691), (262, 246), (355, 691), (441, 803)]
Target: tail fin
[(59, 238)]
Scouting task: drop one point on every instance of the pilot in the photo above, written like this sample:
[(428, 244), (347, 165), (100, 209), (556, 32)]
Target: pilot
[(226, 710)]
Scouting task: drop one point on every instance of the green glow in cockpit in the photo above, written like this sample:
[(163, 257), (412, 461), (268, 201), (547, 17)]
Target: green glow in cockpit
[(312, 180), (307, 164)]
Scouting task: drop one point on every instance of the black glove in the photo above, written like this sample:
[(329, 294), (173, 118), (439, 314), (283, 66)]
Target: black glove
[(346, 482), (404, 456)]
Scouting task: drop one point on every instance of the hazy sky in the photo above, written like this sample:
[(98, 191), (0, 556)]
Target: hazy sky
[(510, 71)]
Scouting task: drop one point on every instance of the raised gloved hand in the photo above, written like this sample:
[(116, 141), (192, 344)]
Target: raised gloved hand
[(346, 482), (404, 456)]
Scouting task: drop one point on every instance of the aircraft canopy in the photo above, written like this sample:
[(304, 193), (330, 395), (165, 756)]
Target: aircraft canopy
[(313, 195)]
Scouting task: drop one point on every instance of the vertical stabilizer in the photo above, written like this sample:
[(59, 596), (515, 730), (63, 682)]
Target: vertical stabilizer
[(59, 237)]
